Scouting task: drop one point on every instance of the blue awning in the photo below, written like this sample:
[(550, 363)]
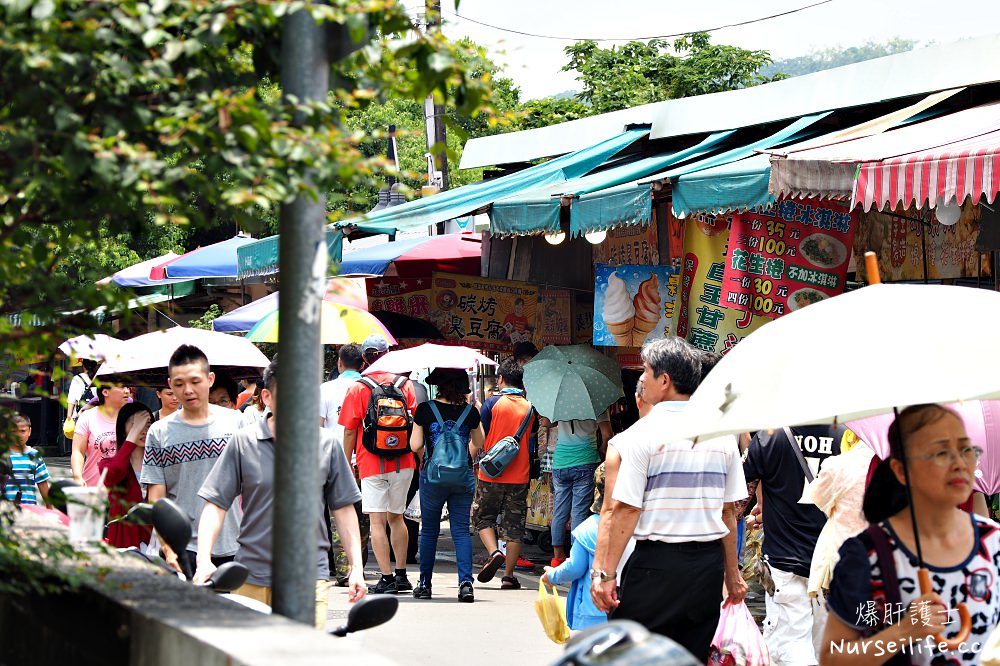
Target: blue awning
[(464, 200), (261, 257), (537, 211), (739, 185)]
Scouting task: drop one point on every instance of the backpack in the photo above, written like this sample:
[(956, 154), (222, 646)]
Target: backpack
[(495, 461), (387, 423), (449, 462)]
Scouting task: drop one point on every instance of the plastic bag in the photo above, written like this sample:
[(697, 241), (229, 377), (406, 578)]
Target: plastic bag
[(738, 641), (552, 612), (412, 511)]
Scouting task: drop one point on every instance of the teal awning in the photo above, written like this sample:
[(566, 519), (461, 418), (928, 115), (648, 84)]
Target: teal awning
[(464, 200), (536, 211), (261, 257), (735, 186)]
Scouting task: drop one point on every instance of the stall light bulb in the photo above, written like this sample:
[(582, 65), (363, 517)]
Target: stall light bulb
[(555, 239), (948, 214), (596, 237)]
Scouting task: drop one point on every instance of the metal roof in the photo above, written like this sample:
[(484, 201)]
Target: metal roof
[(965, 63)]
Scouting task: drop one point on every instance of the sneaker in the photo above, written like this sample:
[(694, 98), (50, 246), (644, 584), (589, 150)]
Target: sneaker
[(491, 567), (556, 561), (383, 586), (465, 593), (510, 583), (403, 584), (422, 591), (525, 564)]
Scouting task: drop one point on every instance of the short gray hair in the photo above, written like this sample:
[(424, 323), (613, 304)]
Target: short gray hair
[(678, 359)]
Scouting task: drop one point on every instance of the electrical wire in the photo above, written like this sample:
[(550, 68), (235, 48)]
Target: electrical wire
[(634, 39)]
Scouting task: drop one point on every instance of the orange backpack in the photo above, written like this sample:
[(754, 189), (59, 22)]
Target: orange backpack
[(387, 423)]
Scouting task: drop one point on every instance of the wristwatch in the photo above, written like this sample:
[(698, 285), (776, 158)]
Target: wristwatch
[(605, 577)]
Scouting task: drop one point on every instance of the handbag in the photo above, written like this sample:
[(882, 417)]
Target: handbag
[(495, 461)]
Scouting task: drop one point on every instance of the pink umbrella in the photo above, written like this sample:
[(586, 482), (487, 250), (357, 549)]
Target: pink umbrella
[(981, 421), (429, 356)]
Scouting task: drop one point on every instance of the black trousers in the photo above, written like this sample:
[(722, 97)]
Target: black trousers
[(675, 589)]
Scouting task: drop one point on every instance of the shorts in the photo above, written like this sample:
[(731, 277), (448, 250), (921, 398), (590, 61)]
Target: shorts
[(493, 498), (793, 628), (263, 595), (385, 493)]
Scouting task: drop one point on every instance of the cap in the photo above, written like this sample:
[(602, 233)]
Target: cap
[(376, 342)]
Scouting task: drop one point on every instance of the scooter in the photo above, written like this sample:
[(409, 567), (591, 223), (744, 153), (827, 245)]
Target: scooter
[(174, 527), (623, 643)]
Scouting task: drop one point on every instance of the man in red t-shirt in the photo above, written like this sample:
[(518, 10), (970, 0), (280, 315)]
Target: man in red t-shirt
[(501, 417), (384, 482)]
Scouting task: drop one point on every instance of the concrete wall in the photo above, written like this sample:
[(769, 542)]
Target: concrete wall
[(136, 615)]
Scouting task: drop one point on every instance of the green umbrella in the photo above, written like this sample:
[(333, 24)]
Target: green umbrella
[(572, 382)]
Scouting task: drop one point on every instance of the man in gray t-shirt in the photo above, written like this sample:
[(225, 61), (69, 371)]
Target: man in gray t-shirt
[(246, 469), (181, 450)]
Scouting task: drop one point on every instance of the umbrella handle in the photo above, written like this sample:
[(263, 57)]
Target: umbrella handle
[(963, 614)]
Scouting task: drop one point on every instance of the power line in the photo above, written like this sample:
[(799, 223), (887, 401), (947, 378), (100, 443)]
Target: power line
[(636, 39)]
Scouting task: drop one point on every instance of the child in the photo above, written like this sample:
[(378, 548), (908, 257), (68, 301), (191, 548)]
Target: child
[(28, 467), (580, 609)]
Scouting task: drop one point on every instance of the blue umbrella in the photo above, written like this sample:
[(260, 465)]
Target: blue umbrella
[(212, 261), (244, 318)]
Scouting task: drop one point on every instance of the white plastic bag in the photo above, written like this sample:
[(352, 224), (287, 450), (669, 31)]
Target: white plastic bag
[(412, 511)]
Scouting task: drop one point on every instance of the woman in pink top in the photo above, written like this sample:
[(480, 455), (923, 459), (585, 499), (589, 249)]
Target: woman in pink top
[(95, 435)]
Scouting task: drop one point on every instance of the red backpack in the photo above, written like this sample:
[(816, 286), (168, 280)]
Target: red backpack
[(387, 424)]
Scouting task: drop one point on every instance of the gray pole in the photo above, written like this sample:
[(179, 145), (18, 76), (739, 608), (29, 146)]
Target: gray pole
[(305, 72), (436, 119)]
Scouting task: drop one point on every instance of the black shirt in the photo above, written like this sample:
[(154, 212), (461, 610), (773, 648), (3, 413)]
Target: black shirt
[(790, 528), (450, 414)]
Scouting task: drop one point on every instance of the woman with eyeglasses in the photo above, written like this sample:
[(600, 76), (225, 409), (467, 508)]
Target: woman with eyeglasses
[(873, 618)]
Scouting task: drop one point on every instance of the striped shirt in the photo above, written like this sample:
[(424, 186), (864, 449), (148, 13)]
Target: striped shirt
[(29, 471), (680, 487)]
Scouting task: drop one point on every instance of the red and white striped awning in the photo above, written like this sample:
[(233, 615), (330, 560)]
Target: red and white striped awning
[(927, 178)]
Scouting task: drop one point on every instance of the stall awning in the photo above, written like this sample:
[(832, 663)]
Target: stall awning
[(928, 178), (464, 200), (537, 211), (739, 185), (680, 177), (807, 169), (417, 257), (261, 257)]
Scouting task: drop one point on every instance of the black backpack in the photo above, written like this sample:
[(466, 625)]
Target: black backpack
[(387, 424)]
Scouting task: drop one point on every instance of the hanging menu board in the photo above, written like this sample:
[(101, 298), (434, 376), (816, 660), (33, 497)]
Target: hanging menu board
[(787, 256)]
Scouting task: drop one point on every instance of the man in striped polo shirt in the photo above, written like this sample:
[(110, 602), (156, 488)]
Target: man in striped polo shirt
[(677, 499)]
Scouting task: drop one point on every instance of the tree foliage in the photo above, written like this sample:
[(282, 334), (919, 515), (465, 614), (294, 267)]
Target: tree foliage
[(639, 73), (124, 124)]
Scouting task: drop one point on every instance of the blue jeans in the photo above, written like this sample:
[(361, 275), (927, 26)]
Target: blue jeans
[(432, 499), (574, 493)]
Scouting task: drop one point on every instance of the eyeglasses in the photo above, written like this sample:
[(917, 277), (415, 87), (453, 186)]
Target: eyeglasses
[(946, 457)]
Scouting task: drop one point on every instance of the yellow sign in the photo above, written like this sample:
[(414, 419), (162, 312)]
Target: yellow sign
[(485, 313), (700, 318)]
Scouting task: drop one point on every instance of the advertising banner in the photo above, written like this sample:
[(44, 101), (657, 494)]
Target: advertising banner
[(583, 319), (487, 314), (406, 296), (787, 256), (633, 303), (902, 245), (630, 244), (555, 319), (701, 318)]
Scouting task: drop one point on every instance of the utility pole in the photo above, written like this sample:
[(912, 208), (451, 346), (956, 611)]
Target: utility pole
[(305, 74), (434, 113)]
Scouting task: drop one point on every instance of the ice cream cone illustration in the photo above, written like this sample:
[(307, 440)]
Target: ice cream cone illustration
[(619, 312), (647, 309)]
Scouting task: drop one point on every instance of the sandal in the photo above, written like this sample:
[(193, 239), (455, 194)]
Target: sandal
[(510, 583), (493, 564)]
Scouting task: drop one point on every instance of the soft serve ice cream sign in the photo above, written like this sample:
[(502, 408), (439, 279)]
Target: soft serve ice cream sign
[(633, 304)]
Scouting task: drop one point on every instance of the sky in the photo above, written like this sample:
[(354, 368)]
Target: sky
[(534, 63)]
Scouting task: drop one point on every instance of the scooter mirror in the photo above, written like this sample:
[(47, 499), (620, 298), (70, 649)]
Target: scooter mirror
[(228, 577), (140, 514), (57, 496), (367, 613), (172, 524)]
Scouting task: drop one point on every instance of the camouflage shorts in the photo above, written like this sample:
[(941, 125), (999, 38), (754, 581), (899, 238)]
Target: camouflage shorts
[(340, 565), (493, 498)]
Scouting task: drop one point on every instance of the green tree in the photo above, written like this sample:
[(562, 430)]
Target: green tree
[(637, 73), (837, 57), (118, 117)]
